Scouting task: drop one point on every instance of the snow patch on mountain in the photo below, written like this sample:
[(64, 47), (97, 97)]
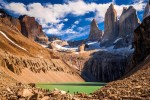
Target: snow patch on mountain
[(12, 41), (66, 48)]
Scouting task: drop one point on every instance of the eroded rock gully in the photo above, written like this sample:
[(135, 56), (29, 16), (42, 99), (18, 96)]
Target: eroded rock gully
[(17, 64)]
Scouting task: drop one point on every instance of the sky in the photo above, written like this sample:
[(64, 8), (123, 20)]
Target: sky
[(69, 19)]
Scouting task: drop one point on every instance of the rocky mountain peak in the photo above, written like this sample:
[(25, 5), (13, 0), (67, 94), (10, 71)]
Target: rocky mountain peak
[(111, 6), (111, 24), (95, 32), (30, 27), (112, 9), (147, 10), (128, 22), (94, 25)]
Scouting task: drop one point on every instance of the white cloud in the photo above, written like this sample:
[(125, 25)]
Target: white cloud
[(89, 19), (65, 19), (139, 1), (76, 22), (73, 26), (60, 26), (55, 14)]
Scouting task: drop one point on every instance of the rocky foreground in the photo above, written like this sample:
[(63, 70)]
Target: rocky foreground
[(10, 89), (135, 87)]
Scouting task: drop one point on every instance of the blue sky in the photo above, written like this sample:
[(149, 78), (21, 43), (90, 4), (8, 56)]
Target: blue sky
[(69, 19)]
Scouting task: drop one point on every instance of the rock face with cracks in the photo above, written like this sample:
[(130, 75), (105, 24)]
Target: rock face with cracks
[(95, 33), (111, 24), (128, 22), (31, 28)]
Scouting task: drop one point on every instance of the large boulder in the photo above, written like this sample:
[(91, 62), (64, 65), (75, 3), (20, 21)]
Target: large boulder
[(95, 32), (111, 24)]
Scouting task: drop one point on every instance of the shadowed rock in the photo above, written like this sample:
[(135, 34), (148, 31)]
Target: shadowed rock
[(128, 22), (111, 24)]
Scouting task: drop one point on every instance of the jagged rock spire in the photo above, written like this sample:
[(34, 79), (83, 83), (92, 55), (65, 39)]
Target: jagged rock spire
[(111, 24), (128, 22), (95, 32)]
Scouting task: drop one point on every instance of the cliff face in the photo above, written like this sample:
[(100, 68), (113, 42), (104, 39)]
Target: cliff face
[(25, 25), (142, 41), (95, 33), (119, 32), (106, 66), (128, 22), (111, 24), (30, 28)]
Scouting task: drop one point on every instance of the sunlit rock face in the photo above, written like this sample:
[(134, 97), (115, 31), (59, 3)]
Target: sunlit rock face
[(9, 21), (95, 32), (128, 22), (147, 10), (111, 24), (30, 27)]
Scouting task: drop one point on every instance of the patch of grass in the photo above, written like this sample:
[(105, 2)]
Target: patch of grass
[(84, 87)]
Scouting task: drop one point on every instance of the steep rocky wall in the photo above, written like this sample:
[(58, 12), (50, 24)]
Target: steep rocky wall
[(95, 32), (141, 43), (105, 66), (30, 27), (128, 22), (111, 24), (26, 25)]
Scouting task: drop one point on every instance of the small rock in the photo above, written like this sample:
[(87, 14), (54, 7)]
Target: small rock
[(46, 98)]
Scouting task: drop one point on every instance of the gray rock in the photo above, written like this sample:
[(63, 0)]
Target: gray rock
[(128, 22), (111, 24), (95, 32), (106, 66)]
